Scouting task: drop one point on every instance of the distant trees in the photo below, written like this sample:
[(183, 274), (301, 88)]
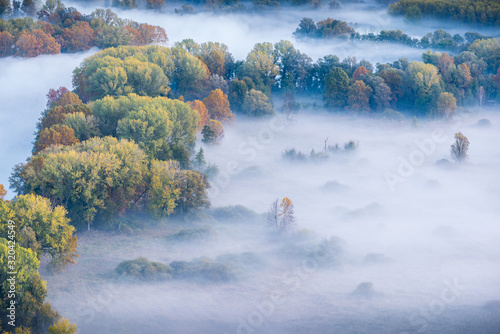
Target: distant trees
[(61, 29), (469, 11), (323, 29), (281, 214), (460, 147)]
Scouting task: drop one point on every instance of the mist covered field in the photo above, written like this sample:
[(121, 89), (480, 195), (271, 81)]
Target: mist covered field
[(390, 236), (423, 238)]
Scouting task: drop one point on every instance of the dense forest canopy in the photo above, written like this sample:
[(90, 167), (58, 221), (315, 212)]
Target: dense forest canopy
[(485, 12)]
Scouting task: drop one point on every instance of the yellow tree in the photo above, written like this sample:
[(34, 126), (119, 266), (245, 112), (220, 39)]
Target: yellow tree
[(3, 192), (218, 106), (286, 214), (202, 111), (447, 104)]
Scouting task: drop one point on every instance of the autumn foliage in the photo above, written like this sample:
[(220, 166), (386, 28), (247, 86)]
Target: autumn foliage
[(218, 106)]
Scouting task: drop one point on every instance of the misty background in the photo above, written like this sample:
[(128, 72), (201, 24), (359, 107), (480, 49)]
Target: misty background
[(436, 229)]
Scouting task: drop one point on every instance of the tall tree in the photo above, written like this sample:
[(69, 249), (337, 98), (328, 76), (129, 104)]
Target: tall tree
[(336, 88), (218, 106)]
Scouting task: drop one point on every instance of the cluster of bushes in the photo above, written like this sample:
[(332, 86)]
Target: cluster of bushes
[(469, 11), (189, 234), (61, 29), (293, 154), (201, 270)]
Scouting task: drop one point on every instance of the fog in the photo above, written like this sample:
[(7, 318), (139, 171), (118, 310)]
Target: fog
[(424, 235), (427, 243), (24, 84), (241, 31)]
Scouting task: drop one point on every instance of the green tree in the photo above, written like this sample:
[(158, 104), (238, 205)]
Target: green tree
[(63, 326), (213, 132), (257, 104), (336, 88)]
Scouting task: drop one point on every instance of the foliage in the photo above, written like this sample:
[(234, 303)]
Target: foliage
[(63, 326), (468, 11), (31, 310), (218, 106), (142, 269), (213, 132), (61, 29), (323, 29), (447, 105), (336, 88), (257, 104)]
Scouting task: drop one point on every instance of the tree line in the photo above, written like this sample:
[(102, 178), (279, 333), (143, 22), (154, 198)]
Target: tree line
[(485, 12), (61, 29), (439, 39)]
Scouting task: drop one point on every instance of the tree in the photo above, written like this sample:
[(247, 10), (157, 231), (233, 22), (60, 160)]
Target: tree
[(57, 115), (260, 67), (55, 95), (460, 148), (63, 326), (163, 127), (93, 180), (202, 112), (199, 162), (55, 135), (6, 44), (213, 132), (281, 215), (336, 88), (358, 72), (67, 98), (85, 127), (35, 43), (257, 104), (237, 91), (307, 28), (447, 105), (155, 4), (44, 229), (218, 106), (359, 96), (80, 37), (31, 290)]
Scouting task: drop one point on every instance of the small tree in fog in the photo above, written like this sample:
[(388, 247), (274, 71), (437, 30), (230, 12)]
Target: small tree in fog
[(281, 215), (460, 147), (273, 214)]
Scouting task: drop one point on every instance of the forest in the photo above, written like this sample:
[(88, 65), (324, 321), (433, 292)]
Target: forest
[(135, 174)]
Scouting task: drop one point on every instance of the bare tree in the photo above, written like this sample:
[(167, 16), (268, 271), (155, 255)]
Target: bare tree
[(460, 147), (273, 214)]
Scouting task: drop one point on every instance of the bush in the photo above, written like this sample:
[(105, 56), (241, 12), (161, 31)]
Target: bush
[(294, 155), (202, 269), (204, 232), (142, 269)]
